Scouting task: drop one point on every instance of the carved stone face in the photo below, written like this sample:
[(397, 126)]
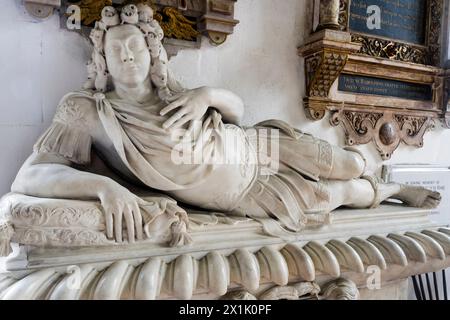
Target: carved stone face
[(127, 55)]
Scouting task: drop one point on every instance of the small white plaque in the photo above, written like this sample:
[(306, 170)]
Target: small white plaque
[(431, 177)]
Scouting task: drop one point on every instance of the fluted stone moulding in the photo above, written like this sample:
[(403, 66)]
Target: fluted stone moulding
[(233, 259)]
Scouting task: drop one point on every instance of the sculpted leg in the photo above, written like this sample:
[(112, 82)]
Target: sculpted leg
[(356, 193), (348, 163), (368, 193)]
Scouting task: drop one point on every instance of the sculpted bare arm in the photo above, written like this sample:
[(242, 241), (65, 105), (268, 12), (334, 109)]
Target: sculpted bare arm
[(50, 175)]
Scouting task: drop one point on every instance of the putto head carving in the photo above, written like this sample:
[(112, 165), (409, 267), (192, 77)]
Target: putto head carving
[(135, 19), (130, 14), (110, 17), (145, 13)]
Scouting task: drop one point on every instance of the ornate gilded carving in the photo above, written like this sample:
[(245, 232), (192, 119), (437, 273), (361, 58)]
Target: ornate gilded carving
[(385, 128), (91, 10), (177, 26), (343, 14), (324, 70), (436, 9), (382, 48), (180, 20), (173, 22)]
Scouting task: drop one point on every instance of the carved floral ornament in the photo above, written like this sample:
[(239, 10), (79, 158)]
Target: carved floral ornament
[(182, 20), (335, 52)]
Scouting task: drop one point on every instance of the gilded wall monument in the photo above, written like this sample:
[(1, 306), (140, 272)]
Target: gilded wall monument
[(379, 73)]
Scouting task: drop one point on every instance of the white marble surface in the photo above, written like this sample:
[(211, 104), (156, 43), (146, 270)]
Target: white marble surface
[(262, 47)]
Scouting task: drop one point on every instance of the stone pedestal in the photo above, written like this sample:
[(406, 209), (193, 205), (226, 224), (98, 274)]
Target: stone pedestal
[(366, 254)]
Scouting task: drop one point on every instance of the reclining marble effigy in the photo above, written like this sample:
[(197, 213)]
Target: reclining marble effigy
[(104, 171)]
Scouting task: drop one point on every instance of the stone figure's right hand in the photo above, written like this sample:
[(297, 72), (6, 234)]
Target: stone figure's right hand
[(119, 205)]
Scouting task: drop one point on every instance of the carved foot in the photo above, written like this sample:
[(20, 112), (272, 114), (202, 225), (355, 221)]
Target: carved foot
[(419, 197)]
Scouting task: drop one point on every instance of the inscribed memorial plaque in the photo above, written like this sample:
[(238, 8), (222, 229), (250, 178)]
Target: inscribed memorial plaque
[(385, 87), (430, 177), (403, 20)]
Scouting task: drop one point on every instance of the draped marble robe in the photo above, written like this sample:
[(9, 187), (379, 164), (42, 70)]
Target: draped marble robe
[(144, 151)]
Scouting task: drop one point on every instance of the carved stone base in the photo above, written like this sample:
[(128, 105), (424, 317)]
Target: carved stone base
[(227, 257)]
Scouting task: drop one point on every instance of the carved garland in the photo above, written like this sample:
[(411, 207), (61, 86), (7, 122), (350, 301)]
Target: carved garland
[(381, 48)]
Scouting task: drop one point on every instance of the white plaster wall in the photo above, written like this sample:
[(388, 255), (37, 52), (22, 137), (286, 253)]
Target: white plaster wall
[(39, 63)]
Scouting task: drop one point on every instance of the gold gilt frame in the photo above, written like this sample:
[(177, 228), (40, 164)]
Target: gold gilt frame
[(428, 54), (334, 51)]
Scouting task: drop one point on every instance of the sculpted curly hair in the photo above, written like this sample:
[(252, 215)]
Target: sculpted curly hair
[(142, 17)]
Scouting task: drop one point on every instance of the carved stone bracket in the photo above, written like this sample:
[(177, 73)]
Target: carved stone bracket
[(386, 129), (326, 55), (217, 22), (323, 69)]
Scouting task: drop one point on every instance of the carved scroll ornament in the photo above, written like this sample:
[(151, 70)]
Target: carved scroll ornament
[(386, 129)]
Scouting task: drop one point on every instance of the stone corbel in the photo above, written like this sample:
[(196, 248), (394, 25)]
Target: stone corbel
[(218, 22), (326, 54), (386, 129), (41, 9)]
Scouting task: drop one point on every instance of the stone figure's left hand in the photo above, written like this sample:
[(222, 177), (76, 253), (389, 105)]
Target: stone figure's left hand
[(192, 106), (163, 218)]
